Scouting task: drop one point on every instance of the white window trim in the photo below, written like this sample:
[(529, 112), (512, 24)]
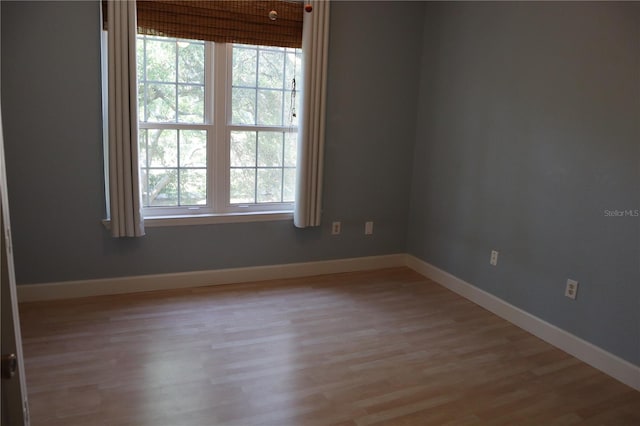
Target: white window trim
[(218, 69), (211, 218)]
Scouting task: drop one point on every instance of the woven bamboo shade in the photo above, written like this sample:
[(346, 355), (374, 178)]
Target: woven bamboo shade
[(222, 21)]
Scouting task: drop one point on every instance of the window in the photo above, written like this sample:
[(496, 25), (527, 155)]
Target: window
[(217, 131), (217, 126)]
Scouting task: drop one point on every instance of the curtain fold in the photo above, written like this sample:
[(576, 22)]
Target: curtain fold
[(124, 186), (311, 131)]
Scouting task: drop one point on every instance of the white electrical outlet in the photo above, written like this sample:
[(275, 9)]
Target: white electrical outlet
[(336, 228), (494, 258), (368, 228), (571, 290)]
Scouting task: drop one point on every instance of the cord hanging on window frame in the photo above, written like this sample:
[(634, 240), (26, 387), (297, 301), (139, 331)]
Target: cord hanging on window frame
[(293, 99), (292, 107)]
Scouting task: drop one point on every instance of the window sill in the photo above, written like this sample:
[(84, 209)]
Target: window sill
[(207, 219)]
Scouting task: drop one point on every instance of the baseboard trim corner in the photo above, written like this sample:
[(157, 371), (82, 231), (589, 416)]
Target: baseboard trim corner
[(140, 283), (604, 361)]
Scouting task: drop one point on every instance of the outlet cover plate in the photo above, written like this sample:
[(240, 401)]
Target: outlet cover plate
[(494, 258), (368, 228), (336, 228), (571, 290)]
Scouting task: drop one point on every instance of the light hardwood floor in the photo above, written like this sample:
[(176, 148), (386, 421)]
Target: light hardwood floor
[(385, 347)]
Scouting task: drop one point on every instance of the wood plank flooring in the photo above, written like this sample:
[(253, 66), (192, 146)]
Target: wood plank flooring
[(385, 347)]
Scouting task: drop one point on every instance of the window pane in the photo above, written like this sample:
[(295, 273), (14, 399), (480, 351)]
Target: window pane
[(193, 187), (289, 186), (271, 69), (243, 149), (193, 148), (141, 106), (270, 107), (269, 185), (171, 85), (161, 102), (244, 66), (243, 106), (242, 188), (272, 103), (270, 149), (142, 147), (163, 147), (144, 186), (191, 103), (163, 187), (190, 62), (140, 57), (161, 60), (290, 149), (174, 164)]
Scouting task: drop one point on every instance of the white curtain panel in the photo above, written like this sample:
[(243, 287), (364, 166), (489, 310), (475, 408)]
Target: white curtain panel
[(311, 131), (124, 185)]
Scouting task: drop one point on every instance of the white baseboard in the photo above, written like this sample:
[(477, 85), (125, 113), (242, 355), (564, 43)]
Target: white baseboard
[(133, 284), (604, 361)]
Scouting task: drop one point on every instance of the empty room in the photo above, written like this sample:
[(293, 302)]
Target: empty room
[(291, 213)]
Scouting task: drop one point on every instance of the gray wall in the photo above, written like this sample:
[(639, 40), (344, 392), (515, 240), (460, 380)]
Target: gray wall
[(53, 131), (528, 130)]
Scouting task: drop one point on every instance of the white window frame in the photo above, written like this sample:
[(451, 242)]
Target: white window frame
[(217, 123)]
